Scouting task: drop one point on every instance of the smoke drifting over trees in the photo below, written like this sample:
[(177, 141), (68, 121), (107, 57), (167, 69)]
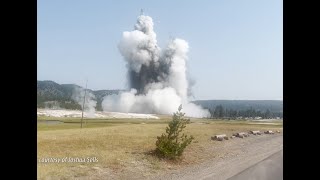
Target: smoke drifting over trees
[(157, 78)]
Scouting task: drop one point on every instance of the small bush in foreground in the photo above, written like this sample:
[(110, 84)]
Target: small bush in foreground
[(172, 144)]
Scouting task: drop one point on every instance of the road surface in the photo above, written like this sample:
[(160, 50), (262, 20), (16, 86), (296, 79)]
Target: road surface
[(269, 169)]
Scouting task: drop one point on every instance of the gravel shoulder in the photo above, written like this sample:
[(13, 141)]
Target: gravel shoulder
[(236, 156)]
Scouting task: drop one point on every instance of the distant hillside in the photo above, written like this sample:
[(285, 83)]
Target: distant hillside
[(51, 94)]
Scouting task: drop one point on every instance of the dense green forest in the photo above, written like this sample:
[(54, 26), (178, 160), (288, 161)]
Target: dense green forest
[(232, 109), (224, 113)]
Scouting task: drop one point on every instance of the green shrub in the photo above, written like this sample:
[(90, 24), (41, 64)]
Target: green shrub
[(172, 144)]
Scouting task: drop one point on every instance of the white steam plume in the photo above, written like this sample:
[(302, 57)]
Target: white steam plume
[(90, 101), (157, 78)]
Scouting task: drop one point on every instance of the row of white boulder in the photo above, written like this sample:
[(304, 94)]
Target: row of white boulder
[(222, 137)]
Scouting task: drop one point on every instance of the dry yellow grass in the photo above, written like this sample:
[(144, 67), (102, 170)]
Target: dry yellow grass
[(123, 148)]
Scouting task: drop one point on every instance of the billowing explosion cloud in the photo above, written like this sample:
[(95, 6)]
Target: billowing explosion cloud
[(90, 103), (157, 78)]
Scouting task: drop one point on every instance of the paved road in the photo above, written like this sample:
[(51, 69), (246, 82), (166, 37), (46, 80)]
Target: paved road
[(270, 168)]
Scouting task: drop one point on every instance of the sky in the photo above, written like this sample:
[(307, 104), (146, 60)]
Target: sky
[(236, 46)]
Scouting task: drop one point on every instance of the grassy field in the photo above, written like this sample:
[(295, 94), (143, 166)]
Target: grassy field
[(122, 146)]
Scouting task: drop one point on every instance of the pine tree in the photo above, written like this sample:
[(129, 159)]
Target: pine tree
[(172, 144)]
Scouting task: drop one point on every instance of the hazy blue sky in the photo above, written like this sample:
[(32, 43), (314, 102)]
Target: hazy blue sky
[(235, 45)]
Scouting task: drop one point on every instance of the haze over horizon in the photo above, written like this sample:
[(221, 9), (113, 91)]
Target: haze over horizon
[(235, 47)]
